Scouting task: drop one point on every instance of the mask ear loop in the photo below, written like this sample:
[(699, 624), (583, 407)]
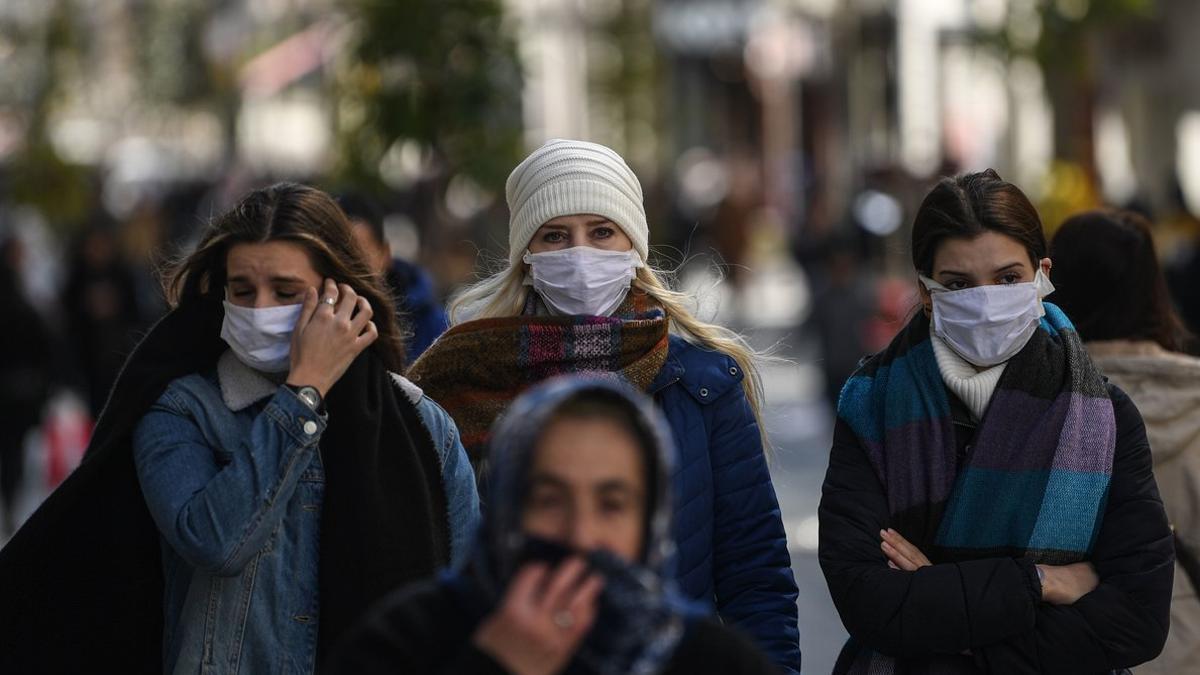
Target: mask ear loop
[(1044, 286), (931, 286)]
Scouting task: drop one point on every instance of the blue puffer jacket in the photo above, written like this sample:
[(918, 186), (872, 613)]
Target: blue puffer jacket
[(732, 550)]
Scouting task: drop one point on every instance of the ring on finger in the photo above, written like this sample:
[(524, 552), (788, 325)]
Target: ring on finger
[(329, 301), (564, 619)]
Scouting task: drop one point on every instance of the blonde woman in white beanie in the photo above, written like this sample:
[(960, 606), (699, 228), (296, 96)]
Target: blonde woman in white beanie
[(580, 295)]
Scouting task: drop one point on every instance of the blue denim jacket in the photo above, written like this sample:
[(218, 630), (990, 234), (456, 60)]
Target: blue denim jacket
[(231, 472)]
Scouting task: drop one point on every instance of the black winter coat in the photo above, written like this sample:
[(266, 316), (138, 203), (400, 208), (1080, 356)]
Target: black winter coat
[(425, 629), (986, 615)]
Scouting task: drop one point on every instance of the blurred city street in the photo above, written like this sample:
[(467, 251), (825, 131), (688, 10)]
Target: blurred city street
[(781, 149)]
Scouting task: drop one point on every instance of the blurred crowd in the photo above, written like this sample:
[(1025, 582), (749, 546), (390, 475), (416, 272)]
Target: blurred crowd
[(78, 303)]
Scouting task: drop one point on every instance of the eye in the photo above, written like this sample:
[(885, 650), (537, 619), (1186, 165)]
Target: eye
[(956, 285), (1011, 278), (241, 293), (603, 232), (554, 237), (613, 506), (544, 501)]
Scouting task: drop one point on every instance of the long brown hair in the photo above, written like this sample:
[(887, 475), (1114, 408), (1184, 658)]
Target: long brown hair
[(305, 216), (966, 206), (1109, 282)]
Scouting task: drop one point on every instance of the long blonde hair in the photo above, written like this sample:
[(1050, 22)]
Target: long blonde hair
[(504, 293)]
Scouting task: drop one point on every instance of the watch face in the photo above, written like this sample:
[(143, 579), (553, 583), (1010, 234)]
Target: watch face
[(310, 396)]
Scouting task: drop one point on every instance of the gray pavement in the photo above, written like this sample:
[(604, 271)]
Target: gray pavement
[(801, 431)]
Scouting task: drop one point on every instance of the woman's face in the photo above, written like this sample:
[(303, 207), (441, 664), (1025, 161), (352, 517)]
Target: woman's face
[(269, 274), (579, 230), (587, 489), (988, 259)]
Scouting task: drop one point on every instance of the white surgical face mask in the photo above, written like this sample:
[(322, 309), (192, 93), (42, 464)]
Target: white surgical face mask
[(582, 279), (261, 337), (988, 325)]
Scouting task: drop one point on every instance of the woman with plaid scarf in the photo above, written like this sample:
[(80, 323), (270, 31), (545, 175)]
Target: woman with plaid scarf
[(578, 295)]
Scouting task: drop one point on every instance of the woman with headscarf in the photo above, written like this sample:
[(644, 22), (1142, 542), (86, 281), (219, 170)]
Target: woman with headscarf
[(578, 294), (989, 505), (569, 573), (260, 475)]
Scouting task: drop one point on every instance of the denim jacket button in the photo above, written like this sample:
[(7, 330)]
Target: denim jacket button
[(310, 427), (703, 392)]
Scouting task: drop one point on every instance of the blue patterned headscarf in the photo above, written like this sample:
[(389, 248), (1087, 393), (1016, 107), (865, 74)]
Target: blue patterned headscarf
[(641, 617)]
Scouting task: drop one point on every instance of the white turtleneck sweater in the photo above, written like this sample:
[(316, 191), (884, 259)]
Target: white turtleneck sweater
[(975, 388)]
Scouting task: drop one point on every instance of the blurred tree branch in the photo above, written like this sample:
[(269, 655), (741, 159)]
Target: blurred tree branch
[(444, 75)]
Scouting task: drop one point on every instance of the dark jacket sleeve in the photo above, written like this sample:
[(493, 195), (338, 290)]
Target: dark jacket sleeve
[(940, 609), (709, 647), (1124, 621), (414, 630), (752, 569)]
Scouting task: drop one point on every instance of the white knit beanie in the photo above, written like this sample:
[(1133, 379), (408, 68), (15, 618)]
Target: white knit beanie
[(566, 178)]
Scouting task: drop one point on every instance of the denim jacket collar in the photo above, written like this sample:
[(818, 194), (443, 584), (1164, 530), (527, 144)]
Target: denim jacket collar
[(241, 385)]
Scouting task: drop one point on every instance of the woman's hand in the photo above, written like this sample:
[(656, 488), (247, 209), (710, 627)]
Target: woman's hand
[(1061, 584), (1064, 584), (900, 553), (542, 619), (328, 337)]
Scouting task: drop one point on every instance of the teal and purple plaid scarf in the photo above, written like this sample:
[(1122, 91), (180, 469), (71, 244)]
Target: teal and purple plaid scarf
[(1036, 478)]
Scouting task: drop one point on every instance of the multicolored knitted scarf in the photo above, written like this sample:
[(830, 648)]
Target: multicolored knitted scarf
[(1035, 481), (477, 368)]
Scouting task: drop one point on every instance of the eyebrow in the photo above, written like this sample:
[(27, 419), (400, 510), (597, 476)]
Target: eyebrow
[(998, 270), (615, 486), (547, 479), (591, 223), (242, 279), (608, 486)]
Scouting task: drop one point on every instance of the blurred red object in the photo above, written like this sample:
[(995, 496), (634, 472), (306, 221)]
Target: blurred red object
[(67, 430), (896, 299)]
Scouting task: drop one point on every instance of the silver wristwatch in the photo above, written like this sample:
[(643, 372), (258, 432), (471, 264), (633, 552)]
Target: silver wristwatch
[(310, 396)]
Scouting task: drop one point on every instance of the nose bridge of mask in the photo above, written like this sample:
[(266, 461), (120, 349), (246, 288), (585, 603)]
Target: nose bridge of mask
[(582, 279), (259, 327), (1040, 281), (580, 265), (578, 253)]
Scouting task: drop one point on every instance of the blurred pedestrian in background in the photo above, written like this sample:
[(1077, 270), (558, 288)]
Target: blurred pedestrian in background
[(1109, 282), (569, 572), (25, 376), (100, 306), (266, 548), (578, 294), (411, 286), (989, 505)]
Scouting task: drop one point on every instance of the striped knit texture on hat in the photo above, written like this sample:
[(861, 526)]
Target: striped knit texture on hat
[(565, 178)]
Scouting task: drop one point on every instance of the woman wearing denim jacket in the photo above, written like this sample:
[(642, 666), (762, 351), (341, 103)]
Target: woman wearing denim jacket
[(288, 478), (283, 516)]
